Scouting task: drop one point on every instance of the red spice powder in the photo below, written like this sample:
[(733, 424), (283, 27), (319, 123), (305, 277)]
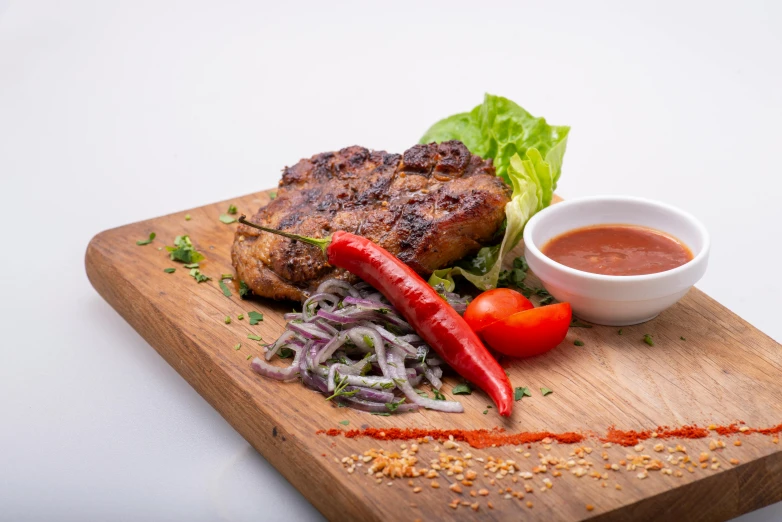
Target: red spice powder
[(499, 437)]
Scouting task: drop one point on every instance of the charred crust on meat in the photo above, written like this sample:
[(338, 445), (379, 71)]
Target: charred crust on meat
[(429, 206)]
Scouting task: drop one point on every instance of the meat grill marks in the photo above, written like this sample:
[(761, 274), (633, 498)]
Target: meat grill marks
[(430, 206)]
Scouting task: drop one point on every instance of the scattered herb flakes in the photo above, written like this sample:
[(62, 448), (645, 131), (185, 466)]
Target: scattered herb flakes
[(169, 270), (422, 393), (437, 395), (272, 195), (521, 392), (225, 289), (254, 337), (575, 323), (462, 389), (249, 357), (192, 265), (545, 391), (286, 353), (226, 276), (648, 340), (225, 218), (227, 319), (240, 316), (255, 317), (198, 276), (578, 342), (344, 422), (232, 209), (682, 338), (392, 406), (244, 290), (238, 345), (380, 414), (521, 263), (187, 217), (547, 300), (151, 238), (620, 331), (183, 251), (485, 412)]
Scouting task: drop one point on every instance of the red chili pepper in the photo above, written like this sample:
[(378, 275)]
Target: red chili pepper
[(431, 316)]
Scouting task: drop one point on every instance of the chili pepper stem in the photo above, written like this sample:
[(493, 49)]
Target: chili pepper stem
[(323, 244)]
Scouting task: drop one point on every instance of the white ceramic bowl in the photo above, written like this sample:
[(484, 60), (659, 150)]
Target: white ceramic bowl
[(609, 299)]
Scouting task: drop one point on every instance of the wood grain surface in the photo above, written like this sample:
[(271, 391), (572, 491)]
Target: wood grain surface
[(725, 371)]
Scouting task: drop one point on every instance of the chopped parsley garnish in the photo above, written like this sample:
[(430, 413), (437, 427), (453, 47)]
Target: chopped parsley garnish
[(461, 389), (545, 391), (620, 331), (368, 340), (198, 276), (142, 242), (183, 251), (381, 413), (485, 412), (225, 289), (225, 218), (187, 217), (192, 265), (340, 389), (249, 357), (272, 195), (240, 316), (648, 340), (344, 422), (244, 290), (437, 395), (682, 338), (226, 276), (521, 392), (286, 353), (422, 393), (169, 270), (238, 345), (546, 300), (227, 319), (255, 317), (254, 337), (232, 209), (393, 406), (578, 342)]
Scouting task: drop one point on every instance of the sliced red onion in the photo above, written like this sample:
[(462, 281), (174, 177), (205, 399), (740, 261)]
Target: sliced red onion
[(395, 362), (371, 381), (433, 379), (377, 407), (338, 286), (308, 330), (369, 304), (279, 343), (275, 372), (434, 361), (331, 347), (337, 318), (338, 323), (393, 339), (306, 309)]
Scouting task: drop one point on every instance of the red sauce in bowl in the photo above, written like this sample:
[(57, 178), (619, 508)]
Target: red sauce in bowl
[(621, 250)]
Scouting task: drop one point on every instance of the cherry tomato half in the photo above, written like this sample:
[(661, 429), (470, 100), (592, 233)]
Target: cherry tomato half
[(531, 332), (494, 305)]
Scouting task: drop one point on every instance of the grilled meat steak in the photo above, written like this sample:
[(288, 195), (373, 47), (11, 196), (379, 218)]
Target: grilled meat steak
[(430, 206)]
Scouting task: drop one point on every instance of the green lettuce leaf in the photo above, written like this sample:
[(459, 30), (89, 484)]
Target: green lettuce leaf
[(527, 153)]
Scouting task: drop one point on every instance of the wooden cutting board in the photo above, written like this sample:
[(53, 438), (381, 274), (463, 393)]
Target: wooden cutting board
[(725, 371)]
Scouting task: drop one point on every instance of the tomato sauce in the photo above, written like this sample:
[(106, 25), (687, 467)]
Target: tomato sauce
[(617, 250)]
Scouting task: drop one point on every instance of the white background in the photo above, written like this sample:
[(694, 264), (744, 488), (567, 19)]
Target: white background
[(113, 112)]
